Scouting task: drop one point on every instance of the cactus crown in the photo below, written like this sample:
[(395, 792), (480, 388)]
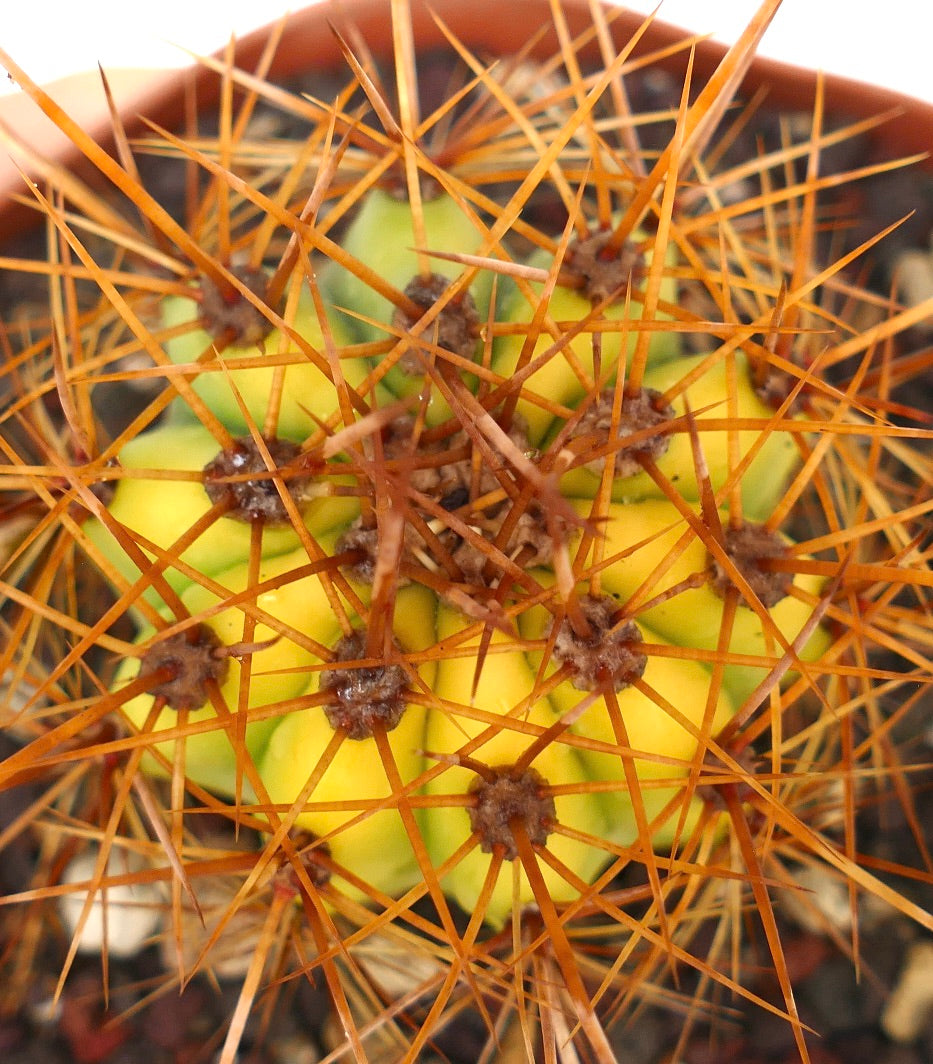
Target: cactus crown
[(504, 527)]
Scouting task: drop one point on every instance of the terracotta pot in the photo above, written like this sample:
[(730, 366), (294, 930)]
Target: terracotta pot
[(487, 26)]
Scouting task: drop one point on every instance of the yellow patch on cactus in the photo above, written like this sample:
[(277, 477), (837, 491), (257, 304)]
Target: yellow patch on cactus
[(300, 389), (162, 507), (656, 724), (566, 375), (711, 399), (642, 554), (281, 656), (506, 715), (344, 805)]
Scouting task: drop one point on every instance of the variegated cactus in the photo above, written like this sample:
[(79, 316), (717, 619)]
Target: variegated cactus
[(509, 511)]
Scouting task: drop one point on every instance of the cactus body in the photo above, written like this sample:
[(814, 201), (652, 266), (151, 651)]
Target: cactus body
[(477, 713)]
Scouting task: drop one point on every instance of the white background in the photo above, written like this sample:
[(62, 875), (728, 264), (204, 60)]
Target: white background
[(887, 42)]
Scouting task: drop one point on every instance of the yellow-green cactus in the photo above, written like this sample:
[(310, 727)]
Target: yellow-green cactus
[(720, 396), (280, 631), (353, 801), (296, 387), (478, 721), (602, 314)]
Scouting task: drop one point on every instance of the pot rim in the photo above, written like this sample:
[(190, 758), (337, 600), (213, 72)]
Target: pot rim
[(486, 26)]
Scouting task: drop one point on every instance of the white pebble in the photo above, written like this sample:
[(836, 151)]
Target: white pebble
[(822, 903), (908, 1007), (133, 912), (914, 272)]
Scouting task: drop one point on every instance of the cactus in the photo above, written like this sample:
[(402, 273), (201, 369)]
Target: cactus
[(464, 558)]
